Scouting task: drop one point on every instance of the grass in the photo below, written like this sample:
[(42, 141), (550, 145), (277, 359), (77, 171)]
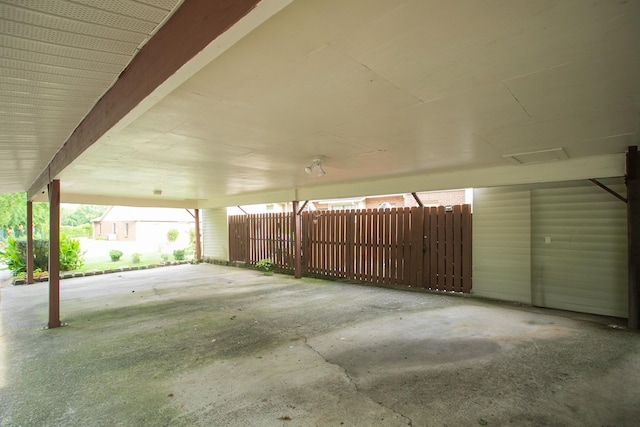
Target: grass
[(145, 259)]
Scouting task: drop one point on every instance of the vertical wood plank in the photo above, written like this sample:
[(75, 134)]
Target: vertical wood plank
[(467, 225), (448, 251), (433, 262), (457, 248)]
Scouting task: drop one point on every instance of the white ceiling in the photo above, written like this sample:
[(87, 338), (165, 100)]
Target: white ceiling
[(381, 88)]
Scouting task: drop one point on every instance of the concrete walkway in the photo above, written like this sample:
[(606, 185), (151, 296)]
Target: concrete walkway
[(208, 345)]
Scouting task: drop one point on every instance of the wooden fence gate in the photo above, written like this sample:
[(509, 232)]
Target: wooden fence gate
[(414, 247)]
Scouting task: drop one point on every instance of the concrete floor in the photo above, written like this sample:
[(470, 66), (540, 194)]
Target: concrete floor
[(209, 345)]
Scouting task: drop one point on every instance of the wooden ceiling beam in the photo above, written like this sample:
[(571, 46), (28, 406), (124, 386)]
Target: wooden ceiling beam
[(191, 28)]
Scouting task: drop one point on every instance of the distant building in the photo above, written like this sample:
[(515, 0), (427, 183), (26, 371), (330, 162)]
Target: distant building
[(125, 223)]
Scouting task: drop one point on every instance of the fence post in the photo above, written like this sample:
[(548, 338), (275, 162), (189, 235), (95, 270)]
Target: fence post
[(297, 244)]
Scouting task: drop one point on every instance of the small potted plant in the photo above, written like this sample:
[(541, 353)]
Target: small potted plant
[(135, 258)]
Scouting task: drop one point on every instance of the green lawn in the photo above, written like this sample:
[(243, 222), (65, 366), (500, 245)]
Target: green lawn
[(145, 259)]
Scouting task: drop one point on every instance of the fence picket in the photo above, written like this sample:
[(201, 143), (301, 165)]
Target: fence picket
[(422, 247)]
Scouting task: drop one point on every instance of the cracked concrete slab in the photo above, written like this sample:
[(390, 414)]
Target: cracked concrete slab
[(211, 345)]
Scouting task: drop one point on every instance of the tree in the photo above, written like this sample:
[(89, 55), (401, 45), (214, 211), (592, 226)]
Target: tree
[(13, 216), (83, 214)]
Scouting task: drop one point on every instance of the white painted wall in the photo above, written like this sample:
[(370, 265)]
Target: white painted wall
[(579, 249), (215, 233), (560, 245), (502, 243)]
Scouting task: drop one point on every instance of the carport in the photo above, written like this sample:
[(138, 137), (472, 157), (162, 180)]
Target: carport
[(207, 104)]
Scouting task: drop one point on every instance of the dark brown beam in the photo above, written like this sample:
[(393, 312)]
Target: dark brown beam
[(633, 237), (54, 254), (192, 27), (608, 190), (243, 211), (418, 201), (304, 205), (30, 256)]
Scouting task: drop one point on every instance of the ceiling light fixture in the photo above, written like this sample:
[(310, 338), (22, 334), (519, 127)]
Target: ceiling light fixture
[(316, 162)]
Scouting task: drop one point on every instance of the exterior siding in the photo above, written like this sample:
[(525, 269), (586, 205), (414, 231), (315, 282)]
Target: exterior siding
[(502, 244), (215, 233), (579, 250)]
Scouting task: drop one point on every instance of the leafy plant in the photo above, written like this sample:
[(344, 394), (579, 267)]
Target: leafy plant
[(266, 265), (178, 254), (12, 257), (172, 235), (115, 254), (164, 257), (15, 255), (70, 254), (135, 258)]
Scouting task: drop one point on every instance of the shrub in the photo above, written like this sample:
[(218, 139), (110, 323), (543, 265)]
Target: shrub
[(84, 230), (13, 258), (265, 264), (135, 258), (178, 254), (164, 257), (70, 254), (15, 255), (172, 235), (115, 254)]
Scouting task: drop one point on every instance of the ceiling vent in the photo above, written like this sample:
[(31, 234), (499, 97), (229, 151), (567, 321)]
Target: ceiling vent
[(538, 156)]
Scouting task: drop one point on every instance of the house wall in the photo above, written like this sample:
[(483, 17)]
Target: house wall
[(156, 232), (560, 246), (124, 230), (215, 234)]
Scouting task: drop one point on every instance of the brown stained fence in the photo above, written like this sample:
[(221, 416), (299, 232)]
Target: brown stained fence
[(414, 247), (258, 236)]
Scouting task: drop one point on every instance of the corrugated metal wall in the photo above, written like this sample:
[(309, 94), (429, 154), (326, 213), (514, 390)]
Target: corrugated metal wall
[(215, 233), (559, 246), (579, 249), (502, 244)]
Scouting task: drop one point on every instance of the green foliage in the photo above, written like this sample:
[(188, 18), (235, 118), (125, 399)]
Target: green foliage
[(13, 216), (15, 255), (81, 215), (164, 257), (178, 254), (135, 258), (70, 254), (10, 255), (115, 254), (172, 235), (84, 230), (265, 264)]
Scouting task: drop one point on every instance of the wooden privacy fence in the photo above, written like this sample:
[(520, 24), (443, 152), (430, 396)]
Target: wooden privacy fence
[(415, 247)]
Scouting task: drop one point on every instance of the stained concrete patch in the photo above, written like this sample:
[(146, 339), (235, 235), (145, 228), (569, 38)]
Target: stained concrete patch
[(212, 345)]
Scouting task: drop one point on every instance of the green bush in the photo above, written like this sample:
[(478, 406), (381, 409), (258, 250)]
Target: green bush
[(165, 257), (84, 230), (13, 258), (115, 254), (178, 254), (70, 254), (15, 255), (135, 258), (265, 265), (172, 235)]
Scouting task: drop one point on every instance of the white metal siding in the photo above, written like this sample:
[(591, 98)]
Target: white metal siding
[(579, 249), (215, 233), (502, 244)]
